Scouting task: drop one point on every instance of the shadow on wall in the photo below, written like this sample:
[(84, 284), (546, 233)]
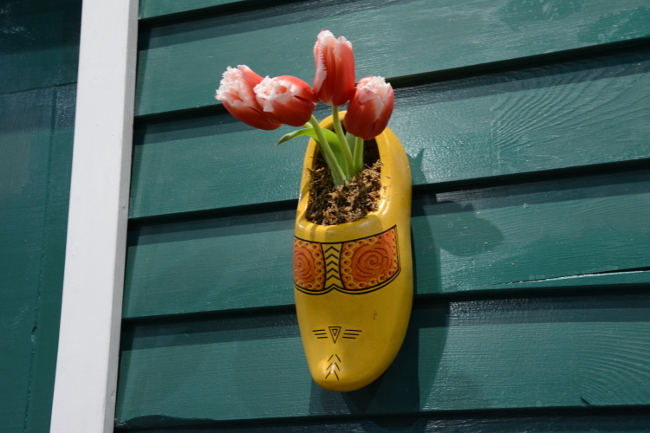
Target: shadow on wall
[(398, 391), (405, 386)]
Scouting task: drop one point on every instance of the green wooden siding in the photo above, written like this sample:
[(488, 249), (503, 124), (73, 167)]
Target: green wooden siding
[(586, 231), (39, 43), (545, 117), (460, 355), (506, 421), (526, 125), (163, 8), (179, 61)]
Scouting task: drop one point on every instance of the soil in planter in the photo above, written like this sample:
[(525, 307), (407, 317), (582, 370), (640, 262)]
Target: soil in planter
[(330, 205)]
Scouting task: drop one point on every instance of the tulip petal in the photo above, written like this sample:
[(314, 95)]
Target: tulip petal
[(252, 117), (237, 95), (334, 77), (370, 108), (286, 99)]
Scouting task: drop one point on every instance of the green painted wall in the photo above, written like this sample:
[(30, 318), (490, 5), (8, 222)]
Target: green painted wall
[(526, 125), (39, 44)]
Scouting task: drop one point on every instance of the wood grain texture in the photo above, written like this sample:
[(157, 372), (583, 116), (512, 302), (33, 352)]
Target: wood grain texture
[(460, 355), (46, 329), (156, 8), (180, 64), (39, 50), (561, 115), (532, 310), (25, 134), (225, 263), (568, 232), (39, 43), (36, 130)]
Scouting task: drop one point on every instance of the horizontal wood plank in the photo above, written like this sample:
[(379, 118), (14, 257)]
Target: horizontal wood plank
[(564, 115), (589, 231), (180, 64), (157, 8), (473, 349), (468, 355), (556, 420), (224, 263)]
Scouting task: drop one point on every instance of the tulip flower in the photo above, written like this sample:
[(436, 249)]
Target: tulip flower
[(286, 99), (370, 108), (334, 79), (237, 95), (268, 103)]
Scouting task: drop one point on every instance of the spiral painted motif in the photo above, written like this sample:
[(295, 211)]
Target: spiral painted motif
[(308, 265), (369, 262)]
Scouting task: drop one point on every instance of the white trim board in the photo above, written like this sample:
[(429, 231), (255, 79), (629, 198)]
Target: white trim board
[(87, 361)]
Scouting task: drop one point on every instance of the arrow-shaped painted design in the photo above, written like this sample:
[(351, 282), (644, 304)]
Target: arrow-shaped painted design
[(333, 365), (332, 271)]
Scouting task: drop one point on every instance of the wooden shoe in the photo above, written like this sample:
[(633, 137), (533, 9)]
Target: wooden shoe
[(353, 282)]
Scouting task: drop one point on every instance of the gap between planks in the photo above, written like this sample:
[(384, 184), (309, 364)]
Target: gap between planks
[(420, 302), (420, 192), (407, 85)]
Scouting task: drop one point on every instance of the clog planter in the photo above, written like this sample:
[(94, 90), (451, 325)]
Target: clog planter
[(353, 282)]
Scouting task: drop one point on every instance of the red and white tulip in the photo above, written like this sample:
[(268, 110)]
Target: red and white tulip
[(370, 108), (237, 95), (268, 103), (286, 99), (334, 79)]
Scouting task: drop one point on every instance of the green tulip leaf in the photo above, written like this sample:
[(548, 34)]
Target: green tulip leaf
[(333, 141), (294, 134), (331, 137)]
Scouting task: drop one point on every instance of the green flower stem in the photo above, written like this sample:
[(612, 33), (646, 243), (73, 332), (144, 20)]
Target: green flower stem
[(344, 143), (335, 168), (358, 154)]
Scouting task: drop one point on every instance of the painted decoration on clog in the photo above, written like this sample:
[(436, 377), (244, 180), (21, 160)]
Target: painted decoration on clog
[(358, 266)]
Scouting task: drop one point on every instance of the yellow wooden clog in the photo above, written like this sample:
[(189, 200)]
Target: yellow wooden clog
[(353, 282)]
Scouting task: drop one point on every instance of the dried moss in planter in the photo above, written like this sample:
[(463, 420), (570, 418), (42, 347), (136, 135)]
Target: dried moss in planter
[(331, 205)]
